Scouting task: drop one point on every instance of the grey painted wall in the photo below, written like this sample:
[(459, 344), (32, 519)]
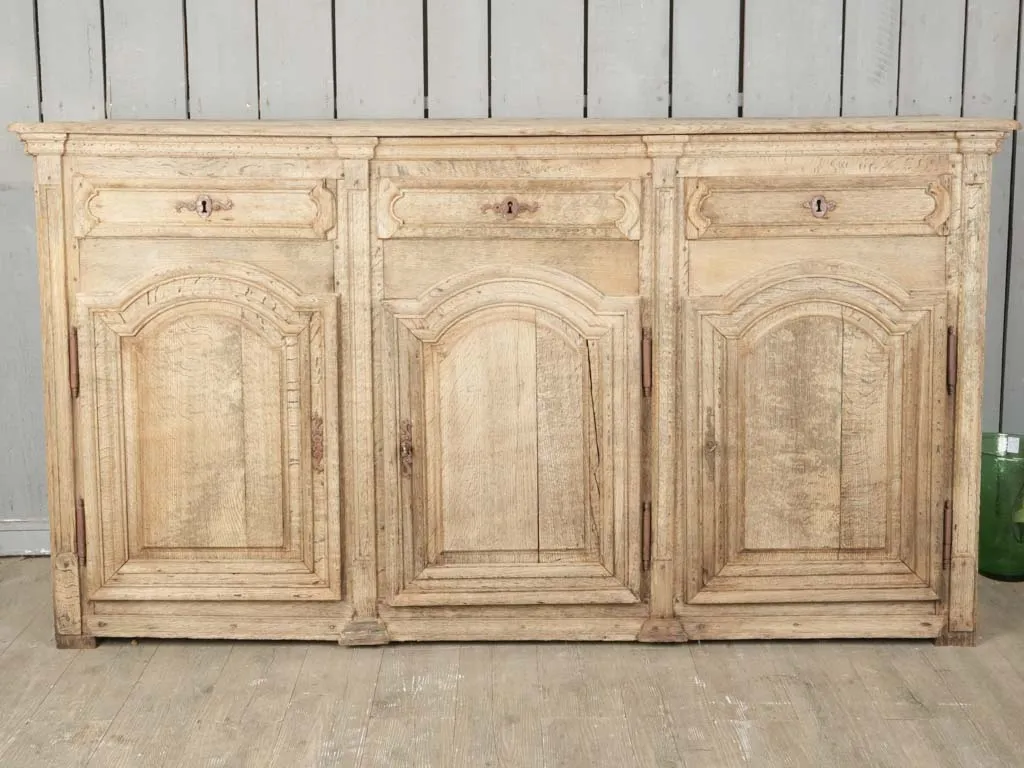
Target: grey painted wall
[(251, 59)]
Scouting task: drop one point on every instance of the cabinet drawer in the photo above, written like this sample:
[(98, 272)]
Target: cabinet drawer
[(474, 208), (277, 208), (752, 207)]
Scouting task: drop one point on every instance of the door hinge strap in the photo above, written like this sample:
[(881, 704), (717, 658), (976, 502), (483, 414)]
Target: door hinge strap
[(947, 535), (951, 352), (645, 360), (73, 361), (80, 530), (646, 535)]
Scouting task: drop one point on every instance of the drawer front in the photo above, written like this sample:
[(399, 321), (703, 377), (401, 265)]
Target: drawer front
[(755, 207), (480, 208), (275, 208)]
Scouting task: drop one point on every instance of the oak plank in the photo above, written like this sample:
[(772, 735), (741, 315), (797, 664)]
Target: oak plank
[(328, 710), (169, 699)]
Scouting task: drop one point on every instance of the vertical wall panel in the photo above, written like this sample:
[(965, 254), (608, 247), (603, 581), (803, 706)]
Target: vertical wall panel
[(706, 58), (990, 74), (23, 518), (296, 59), (627, 58), (871, 57), (931, 57), (1013, 374), (793, 58), (380, 58), (537, 58), (145, 59), (222, 59), (457, 58), (71, 59)]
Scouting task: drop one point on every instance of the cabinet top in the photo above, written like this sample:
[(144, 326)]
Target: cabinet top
[(507, 128)]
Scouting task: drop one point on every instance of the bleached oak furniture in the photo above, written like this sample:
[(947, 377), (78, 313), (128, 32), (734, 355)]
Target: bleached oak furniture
[(653, 380)]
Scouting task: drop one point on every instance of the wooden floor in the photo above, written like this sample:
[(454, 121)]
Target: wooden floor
[(158, 703)]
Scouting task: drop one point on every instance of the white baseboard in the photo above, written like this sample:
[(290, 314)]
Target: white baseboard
[(24, 537)]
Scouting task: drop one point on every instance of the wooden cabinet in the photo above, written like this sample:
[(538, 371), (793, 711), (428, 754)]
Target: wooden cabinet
[(643, 380)]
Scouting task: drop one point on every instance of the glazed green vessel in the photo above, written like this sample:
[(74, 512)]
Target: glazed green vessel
[(1001, 546)]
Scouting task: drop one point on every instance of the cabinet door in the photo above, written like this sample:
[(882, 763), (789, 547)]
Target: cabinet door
[(209, 441), (517, 442), (818, 395)]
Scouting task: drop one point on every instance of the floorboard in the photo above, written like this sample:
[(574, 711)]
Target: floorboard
[(182, 703)]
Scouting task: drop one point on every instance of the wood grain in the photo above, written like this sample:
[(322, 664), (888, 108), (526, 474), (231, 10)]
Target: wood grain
[(391, 347)]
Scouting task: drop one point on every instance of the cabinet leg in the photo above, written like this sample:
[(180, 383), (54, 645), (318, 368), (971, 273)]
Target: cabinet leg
[(662, 631), (956, 639), (74, 642), (365, 632)]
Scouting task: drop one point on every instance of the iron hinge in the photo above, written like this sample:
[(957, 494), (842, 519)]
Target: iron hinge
[(645, 525), (947, 535), (80, 530), (73, 361), (646, 348), (951, 351)]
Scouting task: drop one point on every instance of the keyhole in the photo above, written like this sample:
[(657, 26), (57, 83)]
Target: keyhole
[(508, 206), (204, 210), (817, 205)]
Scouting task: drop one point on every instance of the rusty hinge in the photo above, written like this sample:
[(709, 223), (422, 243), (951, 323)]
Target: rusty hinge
[(645, 360), (645, 530), (947, 535), (73, 361), (951, 351), (80, 530)]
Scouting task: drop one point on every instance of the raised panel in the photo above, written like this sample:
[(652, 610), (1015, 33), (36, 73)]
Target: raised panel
[(520, 419), (797, 207), (209, 411), (816, 391), (278, 208), (453, 208)]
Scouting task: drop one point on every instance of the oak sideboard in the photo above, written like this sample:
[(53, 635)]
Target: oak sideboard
[(655, 380)]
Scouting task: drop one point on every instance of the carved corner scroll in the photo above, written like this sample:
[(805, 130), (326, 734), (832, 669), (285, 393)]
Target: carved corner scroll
[(388, 221), (938, 219), (629, 222), (324, 220), (697, 193)]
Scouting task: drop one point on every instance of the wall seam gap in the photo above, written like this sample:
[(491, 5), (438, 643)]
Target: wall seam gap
[(586, 57), (742, 54), (103, 57), (256, 30), (39, 66), (184, 41), (334, 57), (1000, 422), (842, 61), (671, 50), (426, 65)]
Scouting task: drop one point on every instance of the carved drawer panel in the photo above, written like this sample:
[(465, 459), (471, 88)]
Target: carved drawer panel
[(746, 207), (468, 207), (277, 208)]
